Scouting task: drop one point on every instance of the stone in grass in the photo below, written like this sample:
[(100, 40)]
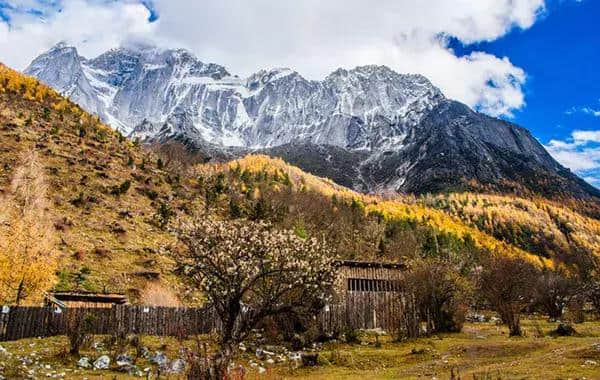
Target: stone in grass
[(131, 369), (123, 359), (145, 352), (159, 359), (564, 329), (84, 362), (310, 359), (177, 366), (103, 362)]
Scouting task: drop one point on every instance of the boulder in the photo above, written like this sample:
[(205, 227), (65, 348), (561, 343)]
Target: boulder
[(123, 359), (103, 362), (84, 362), (177, 366), (310, 359), (130, 369), (564, 329), (145, 352), (159, 359)]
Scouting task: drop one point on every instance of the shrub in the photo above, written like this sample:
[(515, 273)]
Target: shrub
[(555, 290), (122, 188), (508, 284), (433, 293), (157, 295), (352, 336), (79, 330), (163, 215)]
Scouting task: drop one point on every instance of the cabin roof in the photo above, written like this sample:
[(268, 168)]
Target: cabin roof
[(82, 296), (369, 264)]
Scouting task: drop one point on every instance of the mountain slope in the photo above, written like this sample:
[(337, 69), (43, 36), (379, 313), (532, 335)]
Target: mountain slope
[(113, 204), (369, 128), (103, 191)]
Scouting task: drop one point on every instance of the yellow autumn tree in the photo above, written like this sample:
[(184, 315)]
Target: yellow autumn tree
[(28, 255)]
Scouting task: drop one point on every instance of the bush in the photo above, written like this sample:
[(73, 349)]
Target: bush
[(555, 290), (352, 336), (122, 188), (508, 284), (163, 215), (564, 330), (435, 294), (79, 331)]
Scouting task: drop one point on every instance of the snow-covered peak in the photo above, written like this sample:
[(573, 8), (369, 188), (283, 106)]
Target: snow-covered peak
[(143, 88), (263, 77)]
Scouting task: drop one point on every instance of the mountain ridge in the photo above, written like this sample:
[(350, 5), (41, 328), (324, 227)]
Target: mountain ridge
[(392, 132)]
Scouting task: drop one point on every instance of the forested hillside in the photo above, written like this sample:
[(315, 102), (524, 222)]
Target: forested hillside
[(107, 208)]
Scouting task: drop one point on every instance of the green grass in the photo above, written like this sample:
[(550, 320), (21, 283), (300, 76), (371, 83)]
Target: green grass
[(481, 351)]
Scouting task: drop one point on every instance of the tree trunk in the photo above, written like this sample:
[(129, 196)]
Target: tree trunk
[(514, 325), (221, 362), (20, 291)]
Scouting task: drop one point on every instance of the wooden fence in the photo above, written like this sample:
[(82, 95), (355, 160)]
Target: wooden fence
[(26, 322), (360, 310)]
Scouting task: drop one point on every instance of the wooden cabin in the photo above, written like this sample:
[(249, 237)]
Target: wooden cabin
[(367, 295), (84, 299)]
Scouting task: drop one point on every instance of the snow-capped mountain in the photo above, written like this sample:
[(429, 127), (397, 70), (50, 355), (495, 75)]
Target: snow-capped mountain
[(131, 88), (369, 128)]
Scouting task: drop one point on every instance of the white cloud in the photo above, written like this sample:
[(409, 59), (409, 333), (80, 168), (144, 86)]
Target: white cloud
[(312, 36), (580, 153), (91, 26), (586, 110), (586, 136)]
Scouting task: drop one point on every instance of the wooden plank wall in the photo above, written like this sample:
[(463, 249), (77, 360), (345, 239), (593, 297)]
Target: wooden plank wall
[(363, 310)]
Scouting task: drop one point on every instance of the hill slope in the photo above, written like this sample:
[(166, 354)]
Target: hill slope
[(112, 204)]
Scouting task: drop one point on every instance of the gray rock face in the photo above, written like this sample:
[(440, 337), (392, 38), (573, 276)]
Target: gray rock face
[(368, 128)]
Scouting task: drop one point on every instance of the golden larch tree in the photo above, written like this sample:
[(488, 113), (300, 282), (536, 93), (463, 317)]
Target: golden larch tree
[(28, 254)]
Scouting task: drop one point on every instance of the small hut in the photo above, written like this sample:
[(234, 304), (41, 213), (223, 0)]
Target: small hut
[(369, 293), (82, 299)]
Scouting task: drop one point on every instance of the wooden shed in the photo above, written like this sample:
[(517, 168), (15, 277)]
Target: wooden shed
[(84, 299), (367, 295)]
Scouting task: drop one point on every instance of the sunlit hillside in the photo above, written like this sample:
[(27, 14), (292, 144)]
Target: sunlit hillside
[(113, 204), (104, 193)]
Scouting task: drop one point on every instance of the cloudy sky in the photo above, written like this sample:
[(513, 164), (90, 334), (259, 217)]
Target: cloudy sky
[(533, 62)]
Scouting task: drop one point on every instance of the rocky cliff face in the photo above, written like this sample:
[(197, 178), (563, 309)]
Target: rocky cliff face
[(369, 128)]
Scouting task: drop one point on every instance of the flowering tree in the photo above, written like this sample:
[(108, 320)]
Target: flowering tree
[(250, 271)]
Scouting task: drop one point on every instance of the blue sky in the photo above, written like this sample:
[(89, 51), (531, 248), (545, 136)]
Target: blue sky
[(561, 55), (532, 62)]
